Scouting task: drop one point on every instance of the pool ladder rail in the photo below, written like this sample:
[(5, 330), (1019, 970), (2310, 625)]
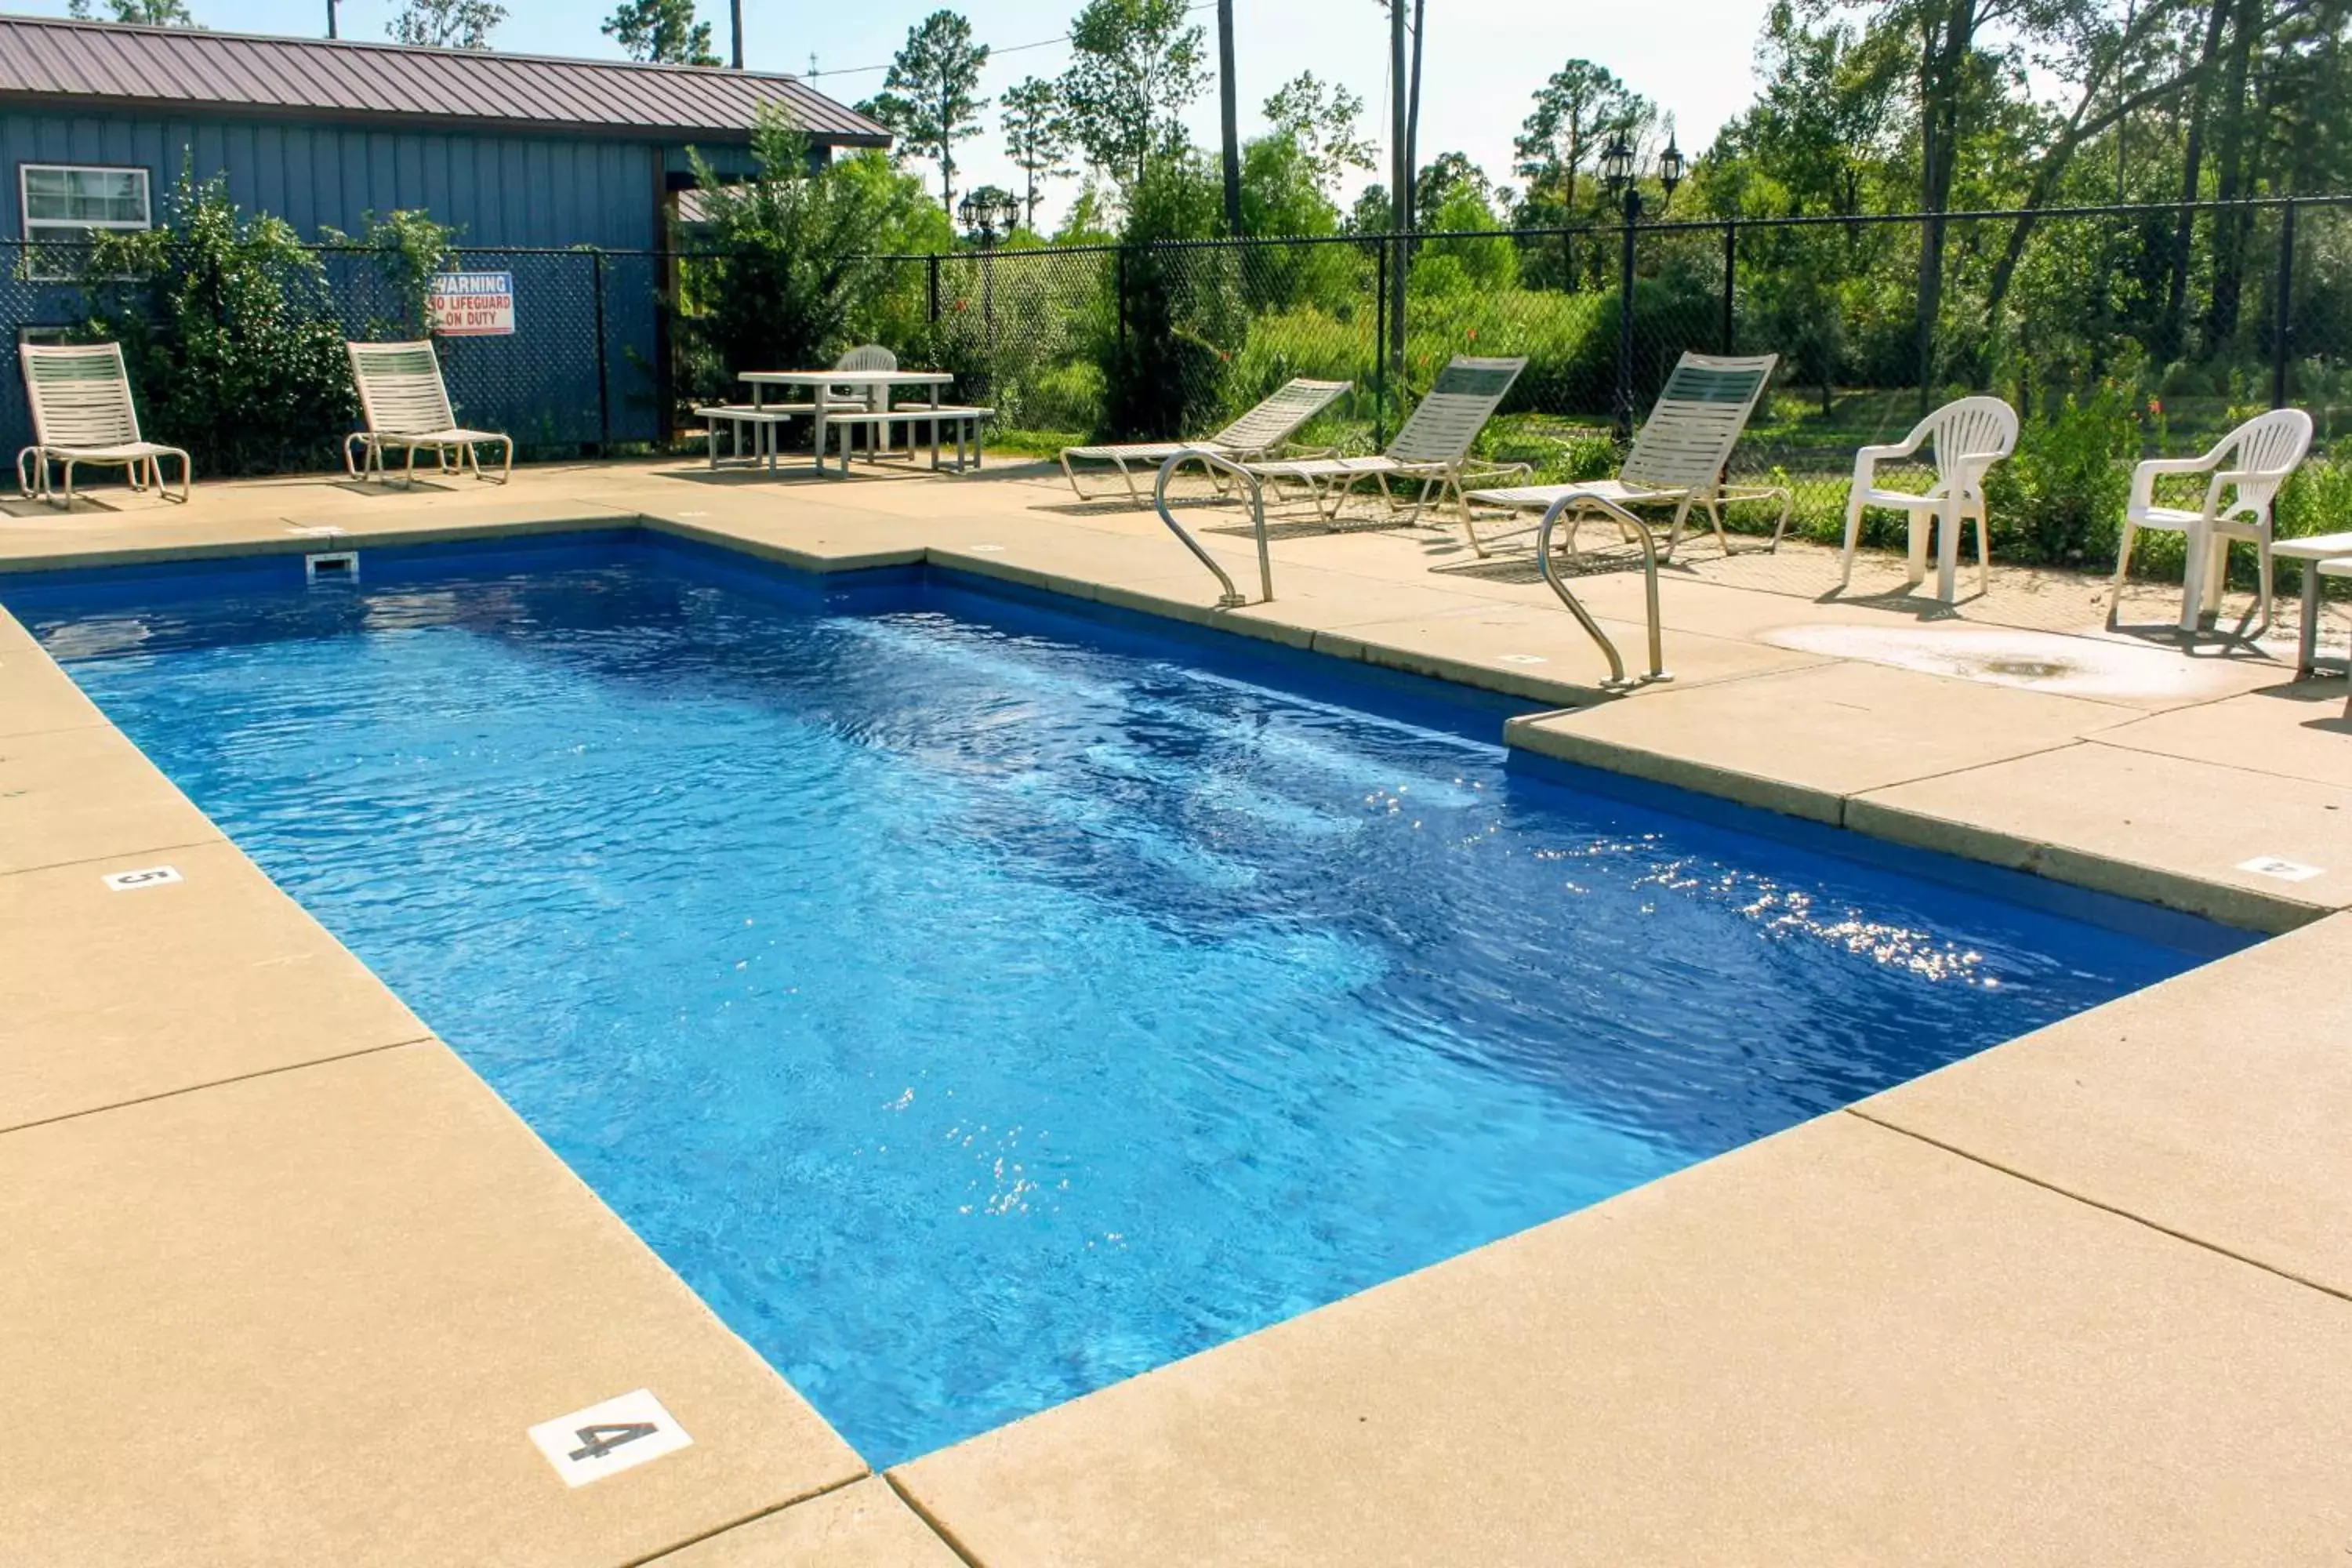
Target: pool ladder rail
[(1232, 598), (1583, 502)]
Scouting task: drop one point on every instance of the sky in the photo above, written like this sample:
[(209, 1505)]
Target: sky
[(1484, 62)]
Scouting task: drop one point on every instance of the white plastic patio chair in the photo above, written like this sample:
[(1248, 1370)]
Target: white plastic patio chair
[(2248, 466), (1255, 437), (82, 413), (1678, 458), (1970, 436), (864, 398), (1431, 448), (407, 405)]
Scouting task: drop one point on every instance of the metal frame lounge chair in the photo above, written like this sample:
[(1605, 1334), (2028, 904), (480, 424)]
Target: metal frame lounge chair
[(1970, 435), (2267, 448), (83, 412), (1678, 458), (1255, 437), (406, 405), (1432, 449)]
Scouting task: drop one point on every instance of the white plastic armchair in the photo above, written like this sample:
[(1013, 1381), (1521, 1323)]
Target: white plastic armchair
[(864, 397), (2248, 466), (1970, 437), (83, 413)]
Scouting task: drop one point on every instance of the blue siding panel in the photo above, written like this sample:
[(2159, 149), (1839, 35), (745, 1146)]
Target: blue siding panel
[(535, 192)]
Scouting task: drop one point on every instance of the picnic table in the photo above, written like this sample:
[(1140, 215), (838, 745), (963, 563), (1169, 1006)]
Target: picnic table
[(871, 405)]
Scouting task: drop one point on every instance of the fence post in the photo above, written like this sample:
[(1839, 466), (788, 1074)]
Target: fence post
[(1624, 424), (1730, 270), (933, 267), (1118, 291), (2282, 321), (1380, 354), (603, 378)]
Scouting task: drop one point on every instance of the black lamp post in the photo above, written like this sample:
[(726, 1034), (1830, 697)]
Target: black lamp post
[(1620, 176), (987, 213)]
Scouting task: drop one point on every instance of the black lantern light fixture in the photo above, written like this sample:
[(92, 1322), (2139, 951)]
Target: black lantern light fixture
[(988, 213), (1617, 165)]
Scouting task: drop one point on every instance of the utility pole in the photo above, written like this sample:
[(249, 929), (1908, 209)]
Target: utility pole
[(1228, 93), (1400, 180), (735, 18), (1413, 115)]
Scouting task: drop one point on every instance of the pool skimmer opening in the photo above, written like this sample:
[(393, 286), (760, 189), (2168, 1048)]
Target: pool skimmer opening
[(332, 566)]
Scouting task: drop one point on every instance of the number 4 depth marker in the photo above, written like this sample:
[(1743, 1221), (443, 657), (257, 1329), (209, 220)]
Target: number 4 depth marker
[(605, 1439)]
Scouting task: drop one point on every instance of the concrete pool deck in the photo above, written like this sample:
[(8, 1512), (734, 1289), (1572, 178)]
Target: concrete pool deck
[(290, 1284)]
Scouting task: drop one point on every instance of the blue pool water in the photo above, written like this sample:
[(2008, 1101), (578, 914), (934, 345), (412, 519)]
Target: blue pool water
[(978, 1004)]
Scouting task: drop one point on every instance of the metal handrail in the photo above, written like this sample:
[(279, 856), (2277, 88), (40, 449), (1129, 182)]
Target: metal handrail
[(1618, 681), (1233, 597)]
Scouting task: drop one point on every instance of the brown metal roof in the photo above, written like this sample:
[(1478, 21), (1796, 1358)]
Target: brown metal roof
[(77, 64)]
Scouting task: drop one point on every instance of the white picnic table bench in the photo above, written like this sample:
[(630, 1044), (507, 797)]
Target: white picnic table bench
[(845, 400)]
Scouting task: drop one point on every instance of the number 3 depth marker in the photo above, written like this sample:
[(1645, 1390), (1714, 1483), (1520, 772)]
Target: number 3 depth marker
[(605, 1439)]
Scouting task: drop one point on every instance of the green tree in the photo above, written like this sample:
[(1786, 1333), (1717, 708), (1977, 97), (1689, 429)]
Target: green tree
[(1817, 138), (1320, 120), (447, 23), (1486, 265), (795, 257), (145, 13), (1165, 374), (662, 31), (1574, 113), (1037, 139), (1447, 176), (229, 330), (1135, 66), (930, 96)]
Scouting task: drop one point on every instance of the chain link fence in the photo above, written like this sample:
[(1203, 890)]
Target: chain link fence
[(2116, 333), (585, 370)]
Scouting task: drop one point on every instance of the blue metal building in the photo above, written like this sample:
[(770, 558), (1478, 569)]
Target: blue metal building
[(518, 154)]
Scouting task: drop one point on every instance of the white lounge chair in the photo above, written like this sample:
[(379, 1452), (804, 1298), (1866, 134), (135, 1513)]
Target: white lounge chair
[(1432, 450), (82, 413), (1255, 437), (1970, 436), (2248, 466), (407, 405), (1678, 457)]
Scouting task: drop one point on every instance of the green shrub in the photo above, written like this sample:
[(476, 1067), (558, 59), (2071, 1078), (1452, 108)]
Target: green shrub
[(2060, 500), (792, 264), (1165, 373), (231, 338)]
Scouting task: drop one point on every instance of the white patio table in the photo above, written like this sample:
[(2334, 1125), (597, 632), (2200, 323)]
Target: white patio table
[(880, 383)]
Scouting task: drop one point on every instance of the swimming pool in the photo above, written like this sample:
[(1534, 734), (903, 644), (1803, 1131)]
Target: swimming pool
[(978, 1001)]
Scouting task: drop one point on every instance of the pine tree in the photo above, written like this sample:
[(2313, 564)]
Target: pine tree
[(662, 31)]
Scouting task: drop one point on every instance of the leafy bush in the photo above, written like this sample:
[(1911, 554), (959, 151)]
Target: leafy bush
[(794, 261), (228, 330), (2061, 499), (1165, 373), (405, 250)]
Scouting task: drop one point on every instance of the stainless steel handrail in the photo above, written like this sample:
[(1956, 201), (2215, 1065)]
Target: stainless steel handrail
[(1232, 598), (1618, 681)]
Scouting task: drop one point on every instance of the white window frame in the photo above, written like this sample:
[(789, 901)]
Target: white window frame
[(38, 232)]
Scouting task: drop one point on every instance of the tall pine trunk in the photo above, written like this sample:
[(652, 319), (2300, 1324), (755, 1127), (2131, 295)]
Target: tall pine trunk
[(2192, 160), (2237, 155), (1944, 63)]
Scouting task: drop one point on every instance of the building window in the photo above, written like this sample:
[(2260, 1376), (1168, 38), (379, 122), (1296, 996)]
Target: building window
[(65, 205)]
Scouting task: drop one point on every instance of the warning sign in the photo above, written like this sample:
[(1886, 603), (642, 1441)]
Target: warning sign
[(471, 304)]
